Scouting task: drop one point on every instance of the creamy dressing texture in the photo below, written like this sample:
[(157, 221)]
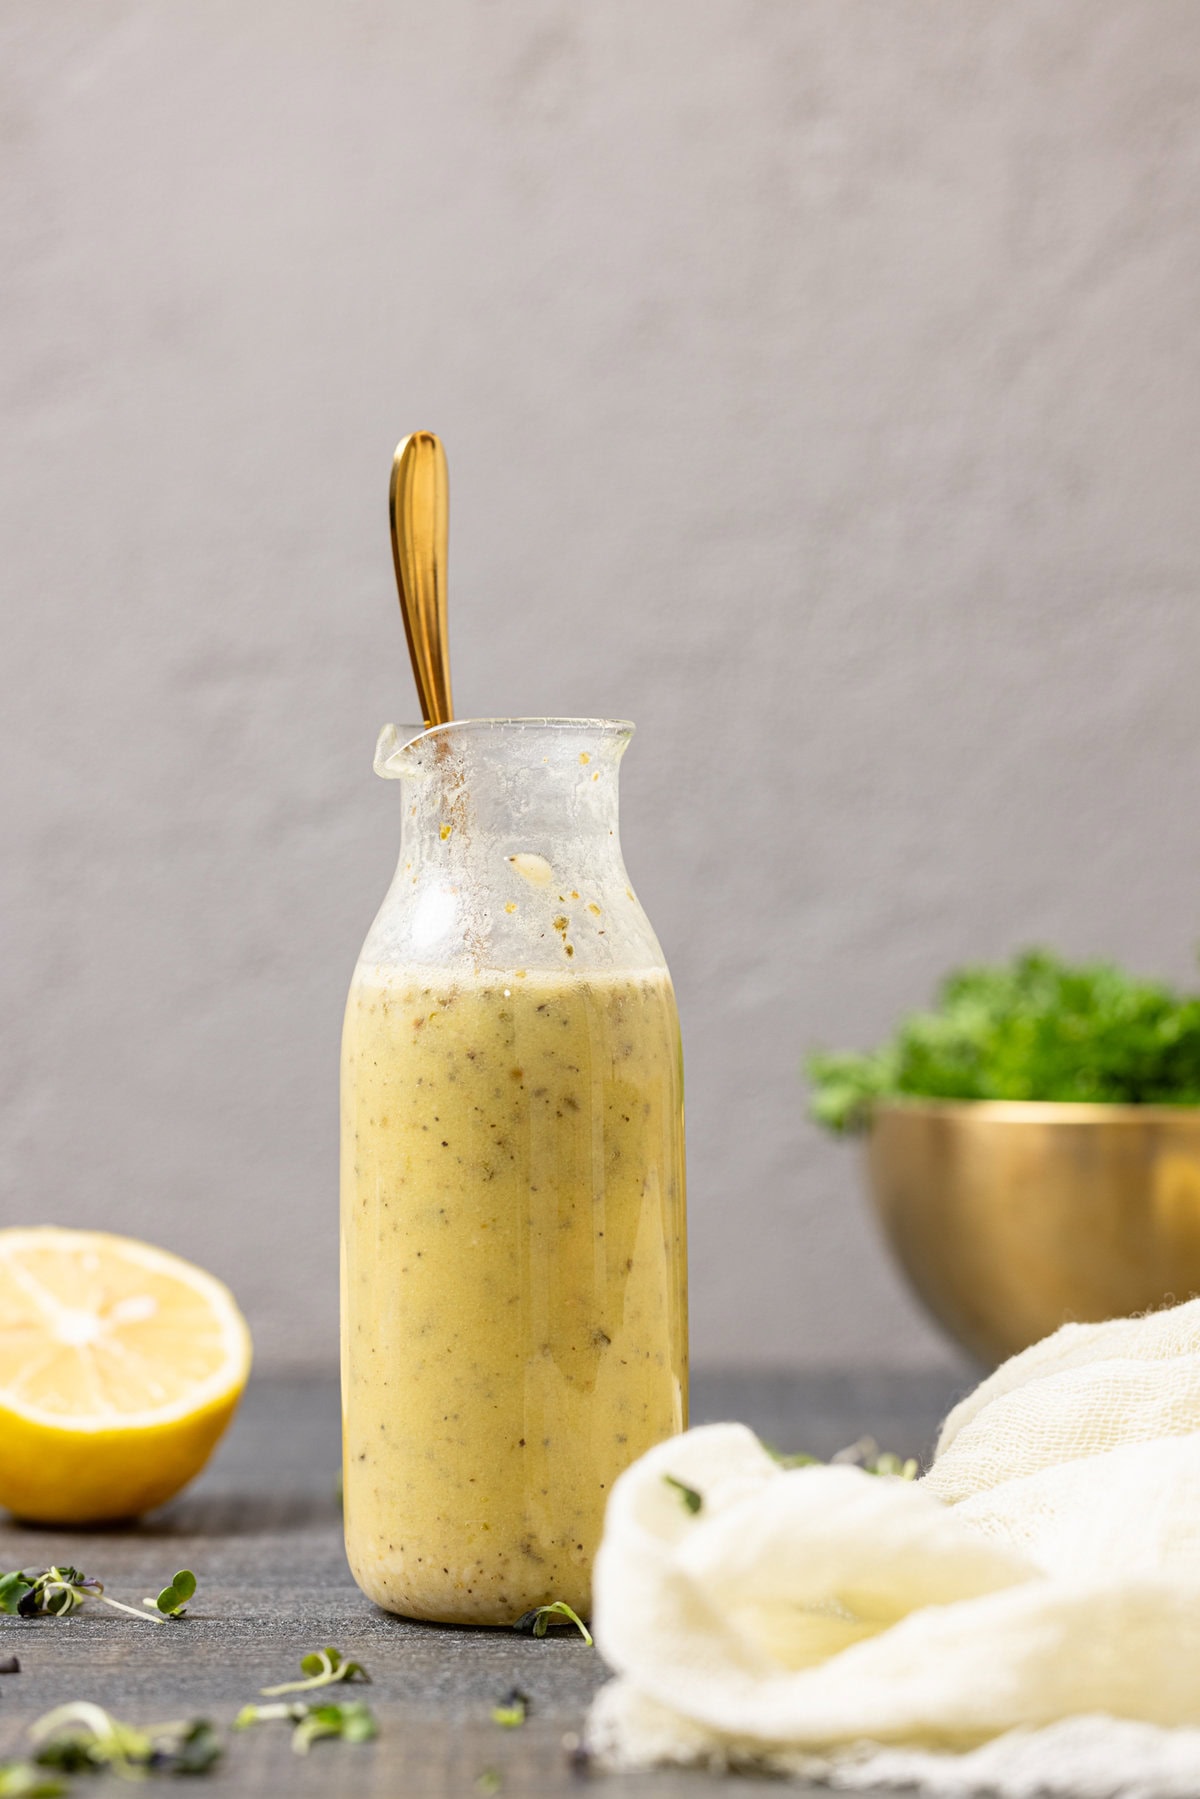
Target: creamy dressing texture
[(513, 1267)]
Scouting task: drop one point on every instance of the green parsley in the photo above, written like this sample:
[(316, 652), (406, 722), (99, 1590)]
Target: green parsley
[(692, 1501), (542, 1618), (1036, 1028)]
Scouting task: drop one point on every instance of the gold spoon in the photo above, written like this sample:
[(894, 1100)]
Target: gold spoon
[(419, 507)]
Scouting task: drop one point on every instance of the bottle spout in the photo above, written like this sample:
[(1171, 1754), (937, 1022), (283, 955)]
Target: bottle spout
[(392, 762)]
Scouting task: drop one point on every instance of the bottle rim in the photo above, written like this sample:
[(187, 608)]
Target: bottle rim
[(608, 727), (399, 747)]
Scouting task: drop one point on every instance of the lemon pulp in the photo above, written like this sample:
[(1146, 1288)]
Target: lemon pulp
[(120, 1366)]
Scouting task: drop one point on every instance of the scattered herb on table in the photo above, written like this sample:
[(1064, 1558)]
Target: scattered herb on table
[(692, 1501), (1036, 1028), (579, 1756), (555, 1616), (81, 1736), (512, 1710), (490, 1781), (888, 1462), (172, 1602), (24, 1780), (321, 1667), (800, 1458), (55, 1592), (349, 1719), (865, 1454)]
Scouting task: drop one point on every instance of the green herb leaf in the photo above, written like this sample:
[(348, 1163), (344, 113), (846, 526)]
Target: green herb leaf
[(512, 1710), (13, 1588), (82, 1736), (25, 1780), (172, 1601), (490, 1781), (322, 1667), (1036, 1028), (579, 1756), (799, 1458), (350, 1719), (197, 1749), (691, 1499), (266, 1714), (55, 1592), (48, 1593), (888, 1462), (542, 1618), (867, 1455)]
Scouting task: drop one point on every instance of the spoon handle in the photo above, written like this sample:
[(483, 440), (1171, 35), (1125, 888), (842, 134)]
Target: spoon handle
[(419, 507)]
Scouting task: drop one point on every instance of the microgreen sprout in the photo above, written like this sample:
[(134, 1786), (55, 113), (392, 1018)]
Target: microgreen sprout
[(799, 1459), (888, 1462), (349, 1719), (266, 1714), (542, 1618), (54, 1592), (82, 1736), (172, 1601), (579, 1756), (867, 1455), (322, 1667), (23, 1780), (692, 1500), (512, 1710)]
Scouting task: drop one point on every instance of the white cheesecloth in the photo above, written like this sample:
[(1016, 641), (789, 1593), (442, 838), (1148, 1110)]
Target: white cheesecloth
[(1023, 1621)]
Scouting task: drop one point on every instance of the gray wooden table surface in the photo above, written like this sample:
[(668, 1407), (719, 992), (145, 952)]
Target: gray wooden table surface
[(262, 1530)]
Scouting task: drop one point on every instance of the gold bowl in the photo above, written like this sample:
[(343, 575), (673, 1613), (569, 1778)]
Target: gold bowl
[(1009, 1218)]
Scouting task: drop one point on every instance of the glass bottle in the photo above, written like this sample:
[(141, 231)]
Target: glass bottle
[(514, 1285)]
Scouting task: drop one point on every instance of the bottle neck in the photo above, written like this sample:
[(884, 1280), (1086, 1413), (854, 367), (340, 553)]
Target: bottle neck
[(458, 815), (510, 851)]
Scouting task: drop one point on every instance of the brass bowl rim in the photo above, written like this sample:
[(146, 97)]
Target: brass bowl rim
[(1039, 1111)]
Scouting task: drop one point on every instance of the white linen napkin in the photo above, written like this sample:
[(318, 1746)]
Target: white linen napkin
[(1024, 1620)]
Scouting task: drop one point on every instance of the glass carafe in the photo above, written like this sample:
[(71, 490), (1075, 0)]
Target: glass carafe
[(514, 1286)]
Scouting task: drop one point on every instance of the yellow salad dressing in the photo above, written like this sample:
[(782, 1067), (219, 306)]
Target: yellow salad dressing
[(513, 1268)]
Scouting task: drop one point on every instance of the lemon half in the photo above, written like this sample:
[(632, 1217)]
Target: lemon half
[(120, 1366)]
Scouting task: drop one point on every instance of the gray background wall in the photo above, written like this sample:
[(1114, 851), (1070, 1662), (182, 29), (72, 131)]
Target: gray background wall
[(821, 389)]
